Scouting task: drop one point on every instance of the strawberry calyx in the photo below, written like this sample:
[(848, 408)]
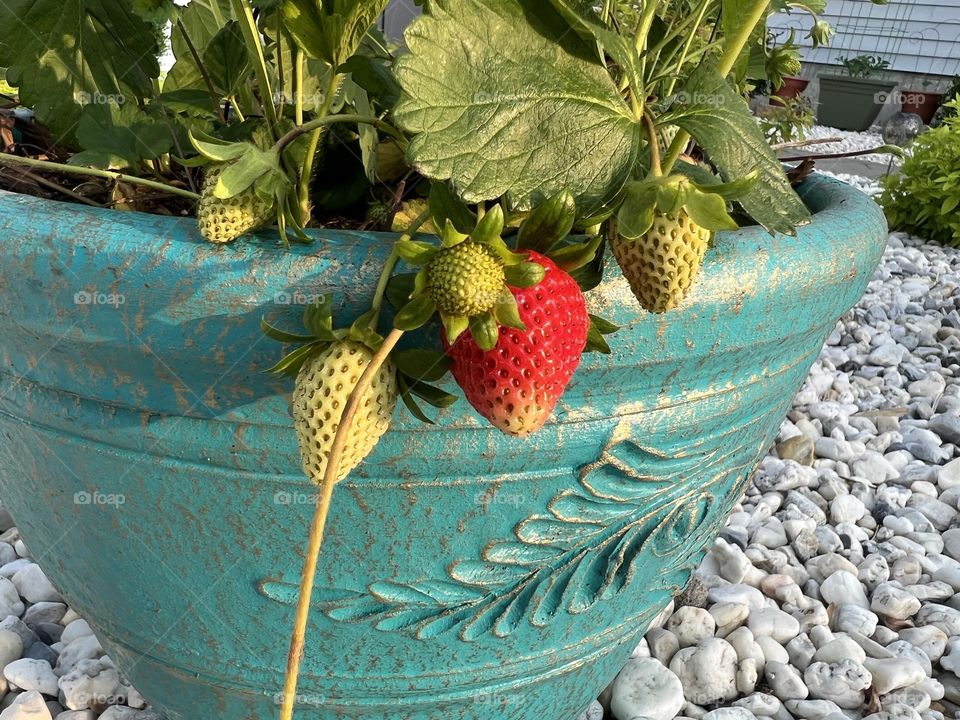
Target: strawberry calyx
[(466, 280), (416, 369)]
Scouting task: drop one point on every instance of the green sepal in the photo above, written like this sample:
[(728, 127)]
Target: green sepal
[(407, 396), (598, 328), (419, 283), (507, 256), (362, 331), (454, 326), (415, 313), (573, 257), (490, 227), (436, 397), (215, 149), (446, 205), (671, 195), (730, 190), (708, 211), (526, 274), (415, 252), (506, 313), (422, 365), (283, 336), (638, 211), (485, 331), (450, 236), (401, 288), (548, 224), (318, 318), (195, 161), (291, 363), (240, 174)]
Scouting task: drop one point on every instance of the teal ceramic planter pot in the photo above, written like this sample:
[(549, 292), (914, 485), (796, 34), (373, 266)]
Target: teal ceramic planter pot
[(466, 575)]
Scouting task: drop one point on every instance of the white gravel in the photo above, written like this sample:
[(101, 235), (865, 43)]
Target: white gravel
[(832, 592)]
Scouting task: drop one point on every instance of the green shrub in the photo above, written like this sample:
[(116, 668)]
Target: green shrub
[(924, 199)]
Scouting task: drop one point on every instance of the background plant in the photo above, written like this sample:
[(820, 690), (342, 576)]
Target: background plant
[(863, 66), (924, 197), (786, 120)]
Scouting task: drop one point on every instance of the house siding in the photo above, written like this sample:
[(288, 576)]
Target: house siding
[(915, 37)]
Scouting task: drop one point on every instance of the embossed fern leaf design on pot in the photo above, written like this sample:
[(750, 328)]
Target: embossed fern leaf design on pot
[(632, 508)]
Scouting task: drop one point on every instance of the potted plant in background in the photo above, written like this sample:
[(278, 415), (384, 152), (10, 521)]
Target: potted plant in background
[(853, 101), (565, 205), (924, 103)]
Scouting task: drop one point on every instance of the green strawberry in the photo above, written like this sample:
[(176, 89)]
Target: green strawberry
[(320, 395), (224, 220), (663, 263), (465, 279)]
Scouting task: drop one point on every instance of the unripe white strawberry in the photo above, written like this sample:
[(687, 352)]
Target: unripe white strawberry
[(662, 265), (224, 220), (323, 387)]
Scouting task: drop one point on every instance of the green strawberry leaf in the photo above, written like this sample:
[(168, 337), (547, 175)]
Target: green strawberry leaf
[(415, 313), (330, 30), (484, 330), (375, 77), (548, 224), (119, 136), (724, 127), (318, 318), (422, 365), (283, 336), (525, 274), (199, 21), (65, 54), (731, 190), (226, 59), (445, 205), (540, 118)]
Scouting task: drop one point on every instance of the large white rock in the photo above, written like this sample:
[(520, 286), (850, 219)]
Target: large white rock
[(34, 586), (91, 683), (774, 623), (889, 675), (27, 706), (891, 600), (842, 682), (785, 681), (843, 588), (31, 674), (707, 672), (691, 625), (645, 688)]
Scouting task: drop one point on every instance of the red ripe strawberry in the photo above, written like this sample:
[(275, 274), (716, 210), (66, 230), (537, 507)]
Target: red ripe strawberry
[(517, 384)]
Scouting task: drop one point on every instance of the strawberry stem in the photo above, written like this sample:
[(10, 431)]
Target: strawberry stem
[(391, 263), (655, 169), (94, 172), (315, 540)]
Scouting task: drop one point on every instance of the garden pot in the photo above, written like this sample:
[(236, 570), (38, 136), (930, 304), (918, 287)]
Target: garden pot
[(466, 575), (792, 87), (920, 103), (851, 103)]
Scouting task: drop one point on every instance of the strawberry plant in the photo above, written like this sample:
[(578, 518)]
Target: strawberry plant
[(508, 170)]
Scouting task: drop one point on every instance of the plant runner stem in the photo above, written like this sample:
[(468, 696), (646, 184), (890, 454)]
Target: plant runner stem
[(315, 540), (94, 172), (318, 123), (306, 173)]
